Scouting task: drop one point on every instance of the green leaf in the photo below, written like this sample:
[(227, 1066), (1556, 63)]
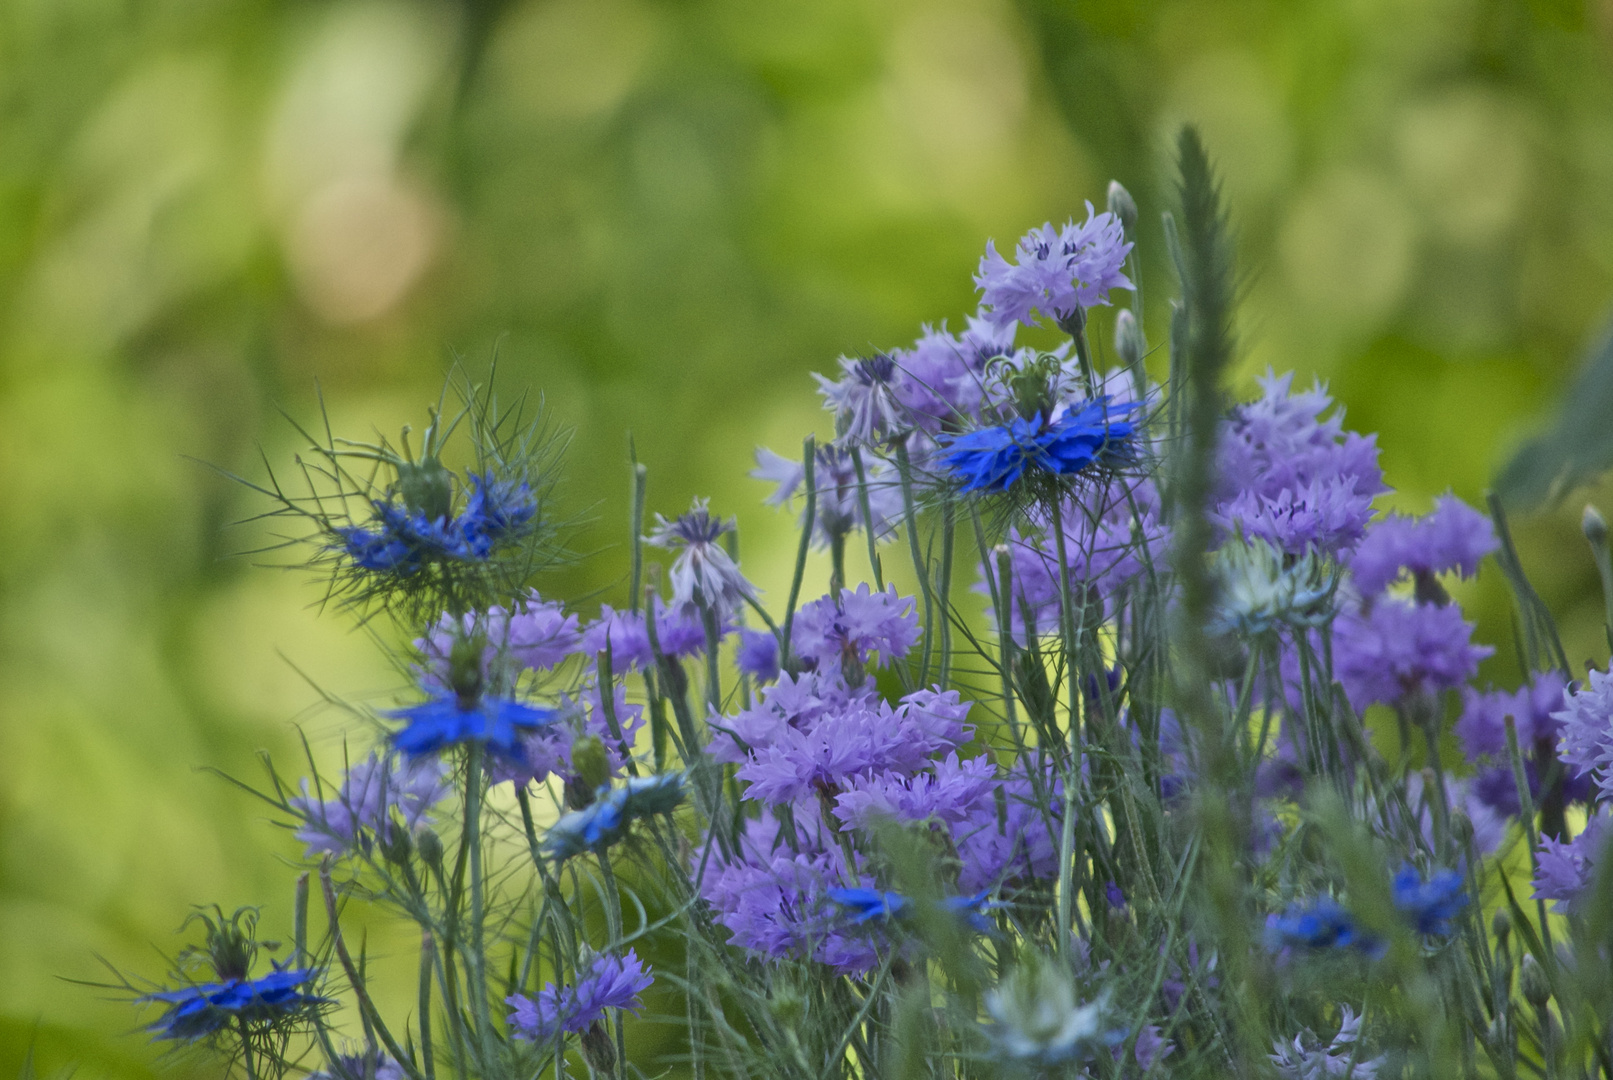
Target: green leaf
[(1577, 448)]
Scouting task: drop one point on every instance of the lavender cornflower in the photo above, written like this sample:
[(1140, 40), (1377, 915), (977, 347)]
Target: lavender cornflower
[(1399, 649), (371, 1064), (611, 983), (839, 498), (1587, 730), (854, 628), (1055, 271), (703, 574), (995, 458), (1342, 1057), (377, 796), (452, 718), (1454, 536), (864, 398), (1482, 725), (537, 636), (1566, 867), (1431, 904), (944, 374), (758, 655)]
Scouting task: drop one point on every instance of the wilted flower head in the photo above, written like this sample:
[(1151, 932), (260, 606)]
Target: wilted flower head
[(1055, 270), (703, 574), (1038, 1020), (611, 982), (378, 796), (1259, 590)]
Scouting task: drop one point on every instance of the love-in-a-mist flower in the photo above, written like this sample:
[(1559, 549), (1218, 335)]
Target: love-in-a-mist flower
[(996, 458), (1038, 1019), (1258, 589), (862, 906), (1321, 924), (703, 574), (412, 530), (1429, 905), (612, 982), (1055, 270), (248, 1006), (450, 719)]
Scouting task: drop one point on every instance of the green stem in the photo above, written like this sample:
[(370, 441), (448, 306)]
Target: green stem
[(866, 505), (473, 839), (920, 564), (809, 458)]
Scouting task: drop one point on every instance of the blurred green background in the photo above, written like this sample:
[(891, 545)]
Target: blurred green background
[(664, 215)]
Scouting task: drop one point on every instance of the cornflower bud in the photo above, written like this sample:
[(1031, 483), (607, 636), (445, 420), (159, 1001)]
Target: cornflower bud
[(1122, 206), (590, 762), (1533, 982), (429, 844), (1129, 342)]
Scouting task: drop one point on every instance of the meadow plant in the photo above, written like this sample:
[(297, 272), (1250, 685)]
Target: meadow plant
[(1169, 756)]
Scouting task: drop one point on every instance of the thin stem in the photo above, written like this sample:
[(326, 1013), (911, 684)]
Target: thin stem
[(473, 839), (809, 457), (920, 564)]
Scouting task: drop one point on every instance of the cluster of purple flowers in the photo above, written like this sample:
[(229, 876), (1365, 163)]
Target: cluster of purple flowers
[(612, 982), (825, 756), (377, 797)]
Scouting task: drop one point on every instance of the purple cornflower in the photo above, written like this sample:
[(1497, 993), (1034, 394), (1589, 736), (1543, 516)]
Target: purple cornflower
[(839, 499), (703, 574), (864, 398), (1587, 730), (794, 701), (1431, 904), (1482, 725), (678, 632), (538, 636), (1291, 477), (448, 719), (1566, 867), (995, 458), (944, 374), (195, 1012), (373, 791), (854, 628), (950, 791), (611, 983), (1399, 649), (1055, 270), (1454, 536), (758, 655)]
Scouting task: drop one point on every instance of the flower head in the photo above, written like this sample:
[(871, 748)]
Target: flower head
[(1303, 1059), (703, 574), (864, 398), (377, 797), (1430, 904), (1587, 729), (836, 633), (839, 492), (404, 536), (611, 983), (1454, 536), (1568, 866), (995, 458), (1261, 590), (194, 1012), (1322, 924), (448, 719), (1038, 1020), (605, 820), (1055, 270)]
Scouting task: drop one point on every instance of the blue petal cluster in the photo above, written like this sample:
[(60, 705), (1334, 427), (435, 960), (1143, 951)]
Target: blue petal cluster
[(864, 905), (605, 821), (1321, 925), (1431, 904), (448, 719), (994, 458), (403, 541), (194, 1012)]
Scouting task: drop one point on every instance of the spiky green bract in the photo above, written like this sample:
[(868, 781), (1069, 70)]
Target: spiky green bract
[(458, 523)]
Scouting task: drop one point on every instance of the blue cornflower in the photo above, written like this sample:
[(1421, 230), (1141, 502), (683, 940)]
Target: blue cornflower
[(195, 1012), (1323, 925), (450, 718), (865, 905), (605, 821), (994, 458), (1431, 904)]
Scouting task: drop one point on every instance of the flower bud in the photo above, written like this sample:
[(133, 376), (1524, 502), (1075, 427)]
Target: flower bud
[(429, 844), (1533, 982), (597, 1049), (590, 762), (395, 843), (1123, 206), (1129, 342), (1594, 526), (1501, 924)]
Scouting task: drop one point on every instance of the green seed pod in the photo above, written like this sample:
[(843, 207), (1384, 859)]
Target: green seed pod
[(429, 844), (590, 761)]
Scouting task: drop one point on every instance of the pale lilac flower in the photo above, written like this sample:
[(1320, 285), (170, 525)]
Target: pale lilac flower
[(839, 500), (864, 398), (945, 374), (703, 574), (1055, 270), (1567, 867), (758, 655), (1304, 1059), (541, 635), (1482, 725), (611, 983), (378, 795), (950, 792)]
